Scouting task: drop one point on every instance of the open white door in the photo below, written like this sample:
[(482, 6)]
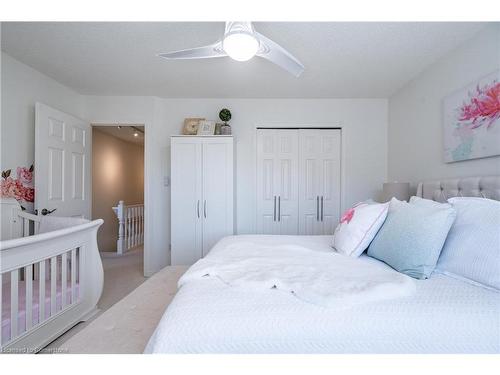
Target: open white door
[(62, 163)]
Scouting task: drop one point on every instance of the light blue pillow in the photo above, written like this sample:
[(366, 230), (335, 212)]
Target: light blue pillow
[(472, 250), (412, 236)]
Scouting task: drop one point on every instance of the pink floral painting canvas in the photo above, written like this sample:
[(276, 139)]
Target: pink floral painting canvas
[(472, 121)]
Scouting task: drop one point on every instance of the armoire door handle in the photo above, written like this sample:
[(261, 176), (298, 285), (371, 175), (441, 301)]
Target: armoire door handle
[(321, 208), (274, 212), (279, 208), (205, 209), (198, 208), (317, 208)]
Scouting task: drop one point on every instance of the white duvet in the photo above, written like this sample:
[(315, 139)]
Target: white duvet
[(323, 278), (209, 316)]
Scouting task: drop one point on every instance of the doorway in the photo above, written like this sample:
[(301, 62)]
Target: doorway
[(118, 199)]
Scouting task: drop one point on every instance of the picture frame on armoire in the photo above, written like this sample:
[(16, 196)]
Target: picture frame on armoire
[(191, 125), (206, 128)]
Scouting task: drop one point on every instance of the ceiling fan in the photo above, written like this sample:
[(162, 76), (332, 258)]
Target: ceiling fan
[(241, 42)]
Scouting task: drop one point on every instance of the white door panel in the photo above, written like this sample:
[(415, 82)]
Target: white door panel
[(62, 162), (186, 203), (277, 206), (266, 170), (286, 181), (202, 195), (319, 180), (309, 181), (217, 191), (330, 180)]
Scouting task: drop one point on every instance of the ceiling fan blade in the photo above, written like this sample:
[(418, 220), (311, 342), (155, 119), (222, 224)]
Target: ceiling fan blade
[(205, 52), (273, 52)]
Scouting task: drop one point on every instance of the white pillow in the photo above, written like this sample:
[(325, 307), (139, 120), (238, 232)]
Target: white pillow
[(358, 226), (472, 250)]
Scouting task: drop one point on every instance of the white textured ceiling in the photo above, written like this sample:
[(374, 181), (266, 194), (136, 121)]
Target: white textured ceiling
[(342, 60)]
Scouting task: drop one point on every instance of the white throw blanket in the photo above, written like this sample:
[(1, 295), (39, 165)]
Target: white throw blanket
[(326, 279)]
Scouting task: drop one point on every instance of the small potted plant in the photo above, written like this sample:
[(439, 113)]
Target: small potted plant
[(225, 115)]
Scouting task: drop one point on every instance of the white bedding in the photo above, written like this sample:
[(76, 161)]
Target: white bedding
[(324, 278), (443, 316)]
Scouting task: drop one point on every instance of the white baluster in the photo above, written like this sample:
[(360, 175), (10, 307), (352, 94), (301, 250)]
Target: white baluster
[(142, 224), (131, 211), (132, 224), (136, 228), (120, 245)]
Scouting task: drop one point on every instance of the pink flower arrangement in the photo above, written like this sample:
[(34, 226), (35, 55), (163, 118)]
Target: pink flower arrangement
[(25, 175), (20, 188), (29, 194), (483, 106)]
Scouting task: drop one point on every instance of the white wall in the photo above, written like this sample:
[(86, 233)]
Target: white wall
[(22, 87), (363, 123), (415, 113)]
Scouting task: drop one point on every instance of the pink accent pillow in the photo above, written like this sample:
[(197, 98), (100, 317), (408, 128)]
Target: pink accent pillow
[(358, 226)]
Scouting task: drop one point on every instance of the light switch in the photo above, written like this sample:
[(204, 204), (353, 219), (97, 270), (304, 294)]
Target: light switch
[(166, 181)]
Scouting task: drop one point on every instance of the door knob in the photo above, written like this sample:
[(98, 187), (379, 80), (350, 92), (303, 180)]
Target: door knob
[(45, 211)]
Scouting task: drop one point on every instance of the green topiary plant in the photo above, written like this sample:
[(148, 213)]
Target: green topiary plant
[(225, 115)]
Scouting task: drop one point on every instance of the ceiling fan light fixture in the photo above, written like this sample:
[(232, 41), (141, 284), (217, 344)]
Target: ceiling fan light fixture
[(240, 46)]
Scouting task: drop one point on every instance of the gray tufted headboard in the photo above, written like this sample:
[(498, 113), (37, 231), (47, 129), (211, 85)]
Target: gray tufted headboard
[(441, 190)]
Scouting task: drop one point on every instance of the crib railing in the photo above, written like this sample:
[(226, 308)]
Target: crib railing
[(130, 226), (49, 281)]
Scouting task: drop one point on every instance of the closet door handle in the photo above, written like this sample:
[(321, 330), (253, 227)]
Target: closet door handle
[(279, 208), (274, 212), (317, 208), (198, 208), (321, 208), (205, 209)]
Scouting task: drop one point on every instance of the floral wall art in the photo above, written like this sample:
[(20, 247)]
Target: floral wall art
[(19, 187), (472, 120)]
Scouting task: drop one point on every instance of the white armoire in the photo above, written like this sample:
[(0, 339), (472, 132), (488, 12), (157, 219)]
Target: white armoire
[(298, 181), (201, 195)]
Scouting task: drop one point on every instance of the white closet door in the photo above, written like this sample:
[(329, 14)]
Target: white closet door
[(286, 180), (330, 180), (277, 190), (266, 198), (186, 202), (309, 182), (319, 181), (217, 210)]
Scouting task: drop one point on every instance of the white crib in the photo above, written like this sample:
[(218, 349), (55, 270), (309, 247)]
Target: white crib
[(51, 276)]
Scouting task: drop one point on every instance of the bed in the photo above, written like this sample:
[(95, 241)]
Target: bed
[(444, 315)]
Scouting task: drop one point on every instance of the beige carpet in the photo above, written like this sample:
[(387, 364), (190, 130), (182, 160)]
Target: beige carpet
[(127, 326), (122, 274)]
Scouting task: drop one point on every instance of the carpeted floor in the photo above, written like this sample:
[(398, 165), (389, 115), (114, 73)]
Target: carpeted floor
[(122, 274), (126, 327)]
